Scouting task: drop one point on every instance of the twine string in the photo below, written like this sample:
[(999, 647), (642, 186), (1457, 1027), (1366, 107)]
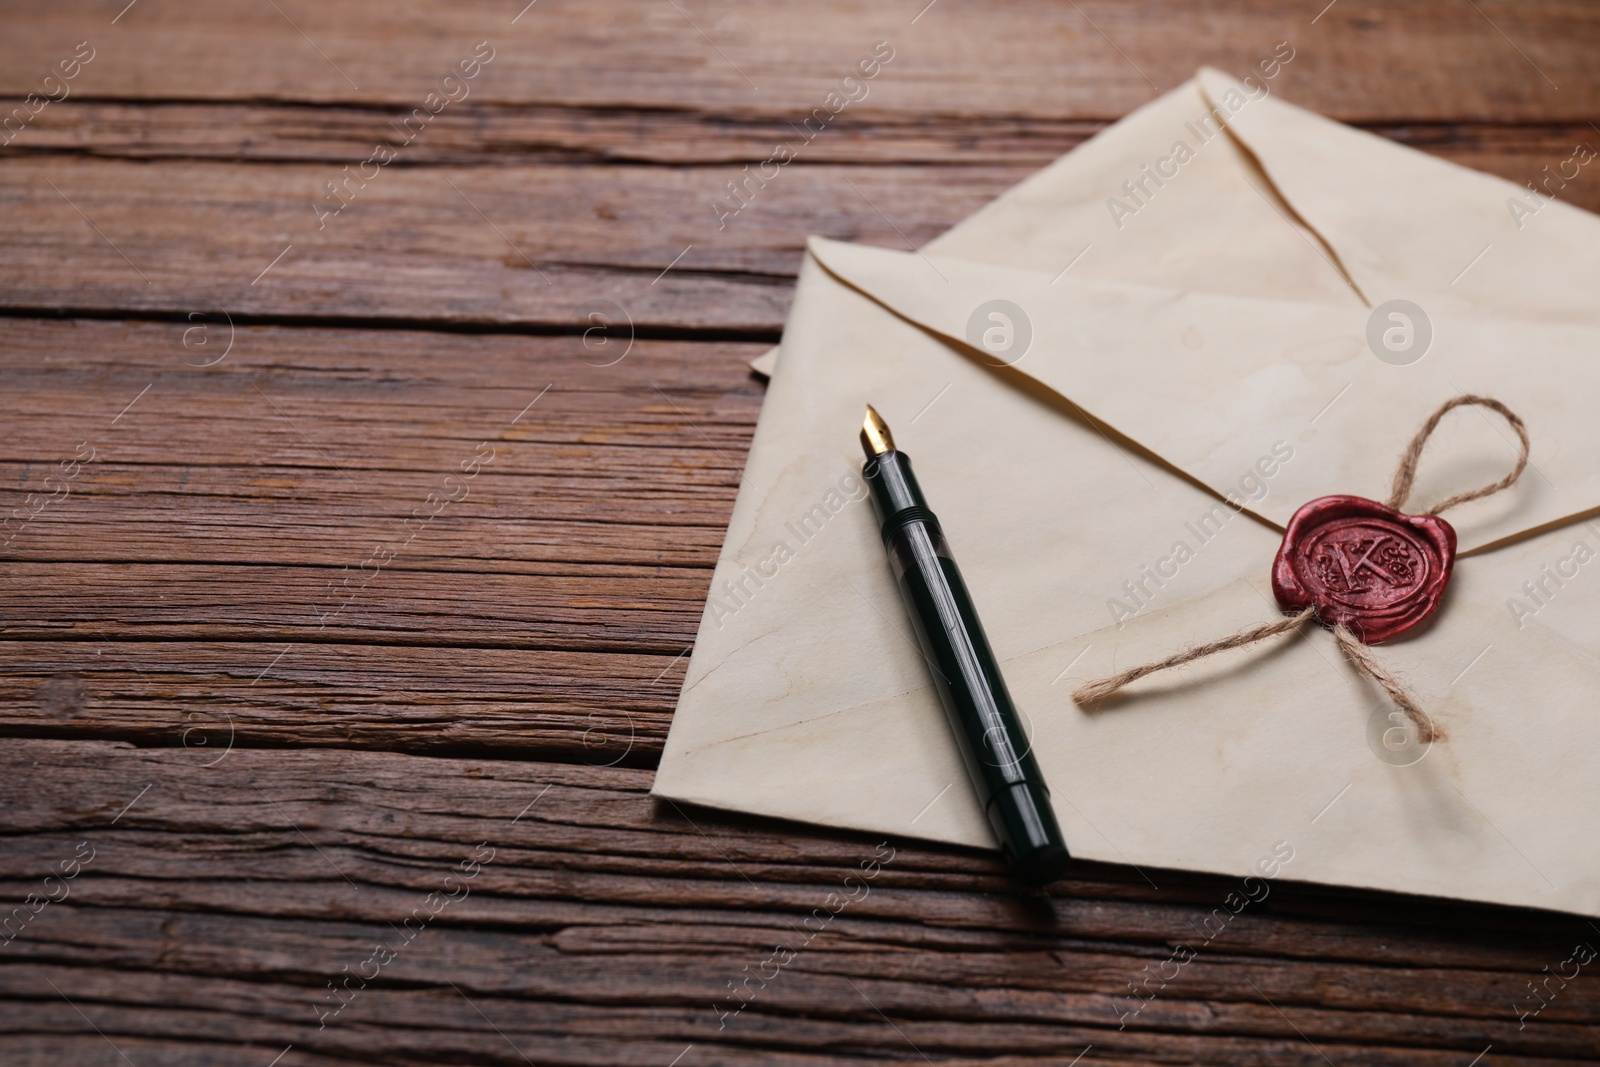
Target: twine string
[(1360, 655), (1407, 472), (1098, 690), (1367, 663)]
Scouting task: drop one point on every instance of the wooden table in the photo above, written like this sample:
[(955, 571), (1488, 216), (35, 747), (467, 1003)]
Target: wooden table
[(364, 546)]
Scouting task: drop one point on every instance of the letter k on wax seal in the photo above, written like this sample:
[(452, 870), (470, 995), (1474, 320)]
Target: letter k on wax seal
[(1363, 565)]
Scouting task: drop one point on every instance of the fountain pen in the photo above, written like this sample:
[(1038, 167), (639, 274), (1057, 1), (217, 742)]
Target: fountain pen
[(993, 744)]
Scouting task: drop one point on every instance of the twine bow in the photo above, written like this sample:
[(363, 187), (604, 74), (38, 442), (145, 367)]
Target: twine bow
[(1358, 653)]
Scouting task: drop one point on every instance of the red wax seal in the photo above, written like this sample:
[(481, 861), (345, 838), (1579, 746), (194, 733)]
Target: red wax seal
[(1375, 570)]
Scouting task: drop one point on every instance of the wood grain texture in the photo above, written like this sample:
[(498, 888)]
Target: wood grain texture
[(1362, 61), (279, 738), (605, 926), (546, 610)]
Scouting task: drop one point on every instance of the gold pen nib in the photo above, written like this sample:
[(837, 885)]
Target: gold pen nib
[(875, 436)]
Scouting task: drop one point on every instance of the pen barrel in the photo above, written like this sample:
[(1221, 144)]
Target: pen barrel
[(994, 745)]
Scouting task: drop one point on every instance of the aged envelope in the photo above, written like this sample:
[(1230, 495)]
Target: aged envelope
[(1153, 389)]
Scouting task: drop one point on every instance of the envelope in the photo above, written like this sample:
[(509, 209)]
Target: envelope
[(1176, 377)]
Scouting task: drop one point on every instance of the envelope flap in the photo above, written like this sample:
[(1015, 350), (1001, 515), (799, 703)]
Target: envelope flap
[(1405, 224), (1268, 403)]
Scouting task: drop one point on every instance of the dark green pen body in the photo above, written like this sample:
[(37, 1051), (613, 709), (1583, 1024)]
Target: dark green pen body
[(990, 734)]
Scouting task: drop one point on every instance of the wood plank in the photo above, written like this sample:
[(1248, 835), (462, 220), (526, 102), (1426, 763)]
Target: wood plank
[(1433, 59), (498, 134), (208, 698), (605, 926), (647, 609)]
